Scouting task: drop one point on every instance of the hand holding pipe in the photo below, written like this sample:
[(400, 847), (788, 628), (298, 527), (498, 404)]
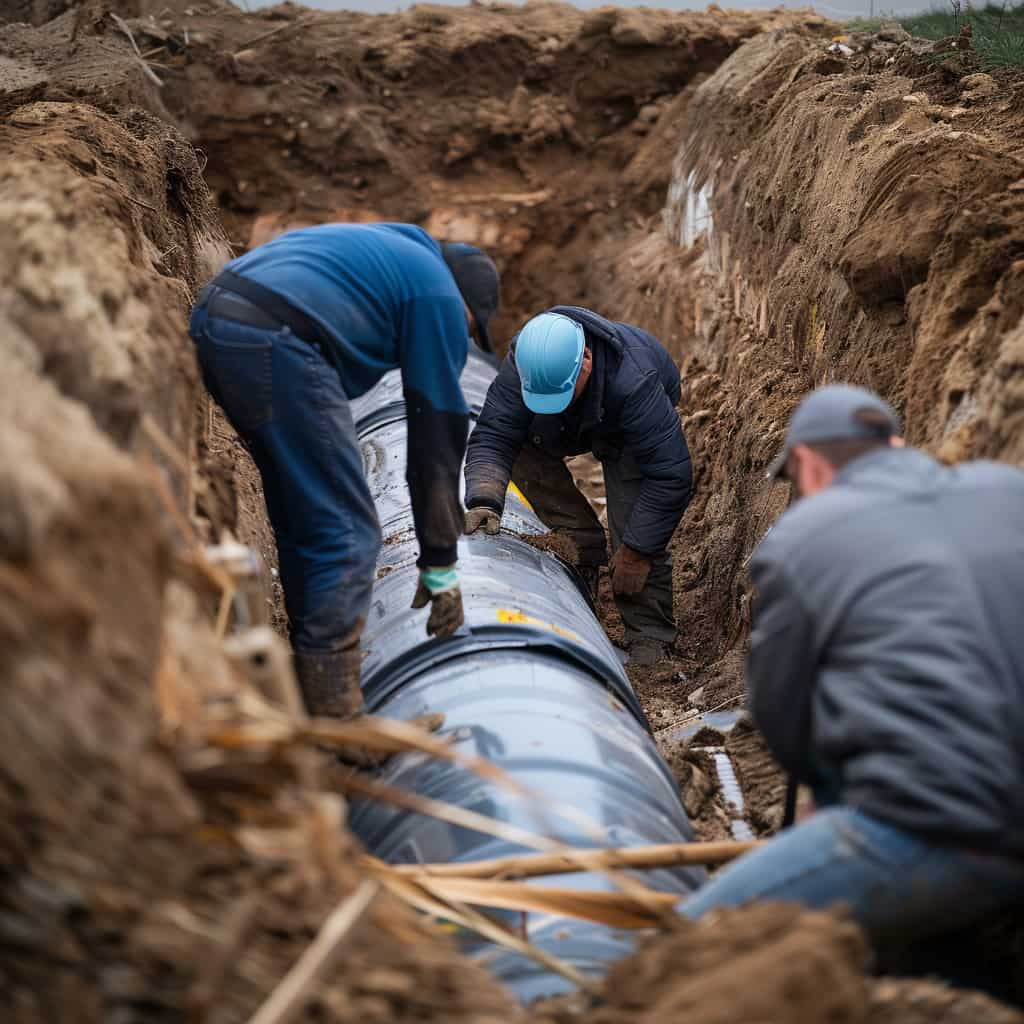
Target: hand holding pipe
[(440, 587), (483, 516)]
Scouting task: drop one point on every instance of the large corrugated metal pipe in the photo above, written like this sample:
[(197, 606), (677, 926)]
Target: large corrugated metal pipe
[(531, 683)]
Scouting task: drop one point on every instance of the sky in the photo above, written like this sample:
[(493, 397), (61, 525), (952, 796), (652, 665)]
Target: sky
[(832, 8)]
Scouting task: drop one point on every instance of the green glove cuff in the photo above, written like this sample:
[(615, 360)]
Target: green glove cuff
[(440, 581)]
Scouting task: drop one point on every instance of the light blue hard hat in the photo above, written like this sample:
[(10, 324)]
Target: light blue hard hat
[(549, 354)]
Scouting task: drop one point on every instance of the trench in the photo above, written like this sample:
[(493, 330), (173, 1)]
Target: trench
[(535, 685), (116, 491), (605, 170)]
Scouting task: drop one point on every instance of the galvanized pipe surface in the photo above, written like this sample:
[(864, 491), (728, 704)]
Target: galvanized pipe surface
[(532, 683)]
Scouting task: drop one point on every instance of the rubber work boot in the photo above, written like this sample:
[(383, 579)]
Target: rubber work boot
[(647, 652), (329, 681), (330, 687)]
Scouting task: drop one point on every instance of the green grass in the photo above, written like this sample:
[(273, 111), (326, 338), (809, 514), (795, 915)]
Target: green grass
[(998, 31)]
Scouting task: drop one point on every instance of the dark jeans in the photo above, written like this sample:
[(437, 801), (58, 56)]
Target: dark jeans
[(287, 404), (547, 483)]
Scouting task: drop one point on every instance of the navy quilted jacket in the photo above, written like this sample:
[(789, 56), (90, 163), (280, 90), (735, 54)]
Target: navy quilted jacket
[(629, 405)]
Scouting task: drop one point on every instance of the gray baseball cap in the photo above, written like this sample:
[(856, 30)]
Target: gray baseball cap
[(830, 414)]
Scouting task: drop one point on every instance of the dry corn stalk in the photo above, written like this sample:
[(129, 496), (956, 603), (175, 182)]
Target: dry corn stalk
[(313, 967), (391, 736), (615, 909), (569, 861), (422, 896)]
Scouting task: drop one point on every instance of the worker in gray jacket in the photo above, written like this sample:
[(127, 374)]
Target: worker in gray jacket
[(886, 672)]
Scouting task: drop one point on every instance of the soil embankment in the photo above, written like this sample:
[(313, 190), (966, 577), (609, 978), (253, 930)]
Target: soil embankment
[(830, 218)]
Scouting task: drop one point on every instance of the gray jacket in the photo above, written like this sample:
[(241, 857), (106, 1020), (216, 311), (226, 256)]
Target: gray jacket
[(887, 657)]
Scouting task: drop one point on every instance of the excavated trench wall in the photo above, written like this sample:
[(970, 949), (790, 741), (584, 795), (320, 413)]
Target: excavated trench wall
[(829, 218), (535, 131), (146, 872)]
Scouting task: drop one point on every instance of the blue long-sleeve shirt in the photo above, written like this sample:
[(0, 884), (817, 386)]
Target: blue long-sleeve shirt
[(386, 299)]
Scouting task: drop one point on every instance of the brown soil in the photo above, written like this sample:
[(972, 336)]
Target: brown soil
[(697, 776), (768, 963), (535, 131), (558, 544), (868, 218), (922, 1002), (764, 791)]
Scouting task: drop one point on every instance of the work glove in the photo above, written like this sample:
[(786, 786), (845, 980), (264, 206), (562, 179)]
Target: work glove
[(440, 587), (629, 571), (483, 516)]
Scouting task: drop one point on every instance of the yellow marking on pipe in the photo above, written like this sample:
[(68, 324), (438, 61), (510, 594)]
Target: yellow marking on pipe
[(508, 617), (512, 489)]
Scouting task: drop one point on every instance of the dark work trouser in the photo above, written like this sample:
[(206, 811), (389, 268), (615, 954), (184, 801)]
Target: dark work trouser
[(547, 483), (287, 404)]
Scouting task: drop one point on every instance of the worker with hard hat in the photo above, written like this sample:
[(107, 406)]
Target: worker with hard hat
[(886, 673), (574, 382), (287, 335)]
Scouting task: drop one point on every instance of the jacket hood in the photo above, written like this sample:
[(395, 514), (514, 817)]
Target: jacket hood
[(595, 325)]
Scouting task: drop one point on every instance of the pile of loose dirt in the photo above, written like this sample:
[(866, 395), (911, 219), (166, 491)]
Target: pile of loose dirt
[(770, 963), (764, 791), (896, 1001)]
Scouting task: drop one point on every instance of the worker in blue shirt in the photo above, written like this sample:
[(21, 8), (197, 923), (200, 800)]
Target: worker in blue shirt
[(287, 335)]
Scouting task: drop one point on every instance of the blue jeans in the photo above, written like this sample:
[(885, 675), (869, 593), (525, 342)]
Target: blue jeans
[(899, 887), (288, 406)]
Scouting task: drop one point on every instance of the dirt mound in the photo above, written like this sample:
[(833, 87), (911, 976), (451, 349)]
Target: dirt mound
[(896, 1001), (768, 963)]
